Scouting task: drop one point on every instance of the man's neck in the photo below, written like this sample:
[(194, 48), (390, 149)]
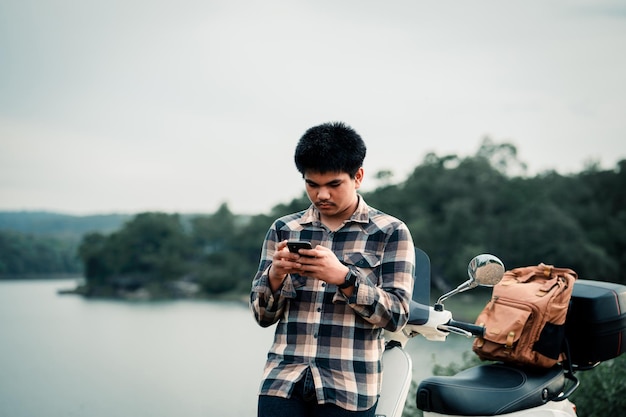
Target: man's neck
[(335, 222)]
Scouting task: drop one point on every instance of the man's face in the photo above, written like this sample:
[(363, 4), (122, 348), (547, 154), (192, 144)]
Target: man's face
[(333, 193)]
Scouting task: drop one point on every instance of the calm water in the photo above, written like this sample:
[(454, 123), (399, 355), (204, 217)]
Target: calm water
[(62, 355)]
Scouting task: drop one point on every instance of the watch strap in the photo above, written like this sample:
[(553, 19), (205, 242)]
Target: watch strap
[(349, 281)]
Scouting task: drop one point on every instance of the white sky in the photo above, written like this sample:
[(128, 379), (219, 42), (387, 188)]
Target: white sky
[(179, 106)]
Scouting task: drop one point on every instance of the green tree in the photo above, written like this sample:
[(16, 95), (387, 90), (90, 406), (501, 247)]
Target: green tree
[(23, 254), (214, 232), (502, 157), (93, 252), (155, 244), (450, 205), (150, 247), (220, 263)]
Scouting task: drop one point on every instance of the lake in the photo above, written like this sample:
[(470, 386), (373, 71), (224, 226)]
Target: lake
[(63, 355)]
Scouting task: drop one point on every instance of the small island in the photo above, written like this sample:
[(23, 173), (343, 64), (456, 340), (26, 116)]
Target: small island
[(157, 256)]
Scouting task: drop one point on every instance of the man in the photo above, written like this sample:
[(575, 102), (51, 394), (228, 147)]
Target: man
[(332, 302)]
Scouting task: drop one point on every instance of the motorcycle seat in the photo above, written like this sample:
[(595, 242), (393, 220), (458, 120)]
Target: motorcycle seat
[(490, 390)]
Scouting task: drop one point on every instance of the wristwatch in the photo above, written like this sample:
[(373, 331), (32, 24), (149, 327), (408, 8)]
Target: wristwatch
[(350, 279)]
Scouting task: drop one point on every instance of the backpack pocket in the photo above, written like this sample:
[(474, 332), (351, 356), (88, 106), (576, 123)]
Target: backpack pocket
[(505, 323)]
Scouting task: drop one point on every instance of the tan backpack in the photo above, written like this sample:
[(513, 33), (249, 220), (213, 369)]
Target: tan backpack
[(525, 318)]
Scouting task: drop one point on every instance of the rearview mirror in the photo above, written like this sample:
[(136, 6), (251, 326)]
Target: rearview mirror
[(484, 270), (487, 270)]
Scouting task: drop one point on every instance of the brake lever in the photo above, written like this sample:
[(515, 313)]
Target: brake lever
[(455, 330)]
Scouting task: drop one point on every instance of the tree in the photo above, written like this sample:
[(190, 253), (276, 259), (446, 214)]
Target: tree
[(154, 244), (92, 251), (214, 232), (150, 247), (502, 157), (22, 254)]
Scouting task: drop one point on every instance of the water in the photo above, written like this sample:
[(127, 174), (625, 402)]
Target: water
[(63, 356)]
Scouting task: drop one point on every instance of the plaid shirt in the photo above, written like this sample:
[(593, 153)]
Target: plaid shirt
[(339, 338)]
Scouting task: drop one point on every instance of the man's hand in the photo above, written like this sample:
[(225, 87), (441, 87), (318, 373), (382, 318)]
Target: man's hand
[(283, 263), (321, 263)]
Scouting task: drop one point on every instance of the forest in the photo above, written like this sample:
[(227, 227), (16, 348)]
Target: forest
[(455, 207)]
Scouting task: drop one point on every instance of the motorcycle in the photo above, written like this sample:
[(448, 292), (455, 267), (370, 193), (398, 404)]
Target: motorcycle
[(498, 388)]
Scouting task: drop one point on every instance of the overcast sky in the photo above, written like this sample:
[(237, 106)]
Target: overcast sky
[(179, 106)]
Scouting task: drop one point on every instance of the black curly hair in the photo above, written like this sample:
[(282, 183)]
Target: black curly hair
[(330, 147)]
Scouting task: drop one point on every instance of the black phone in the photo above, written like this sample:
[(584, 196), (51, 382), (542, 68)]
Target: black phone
[(295, 245)]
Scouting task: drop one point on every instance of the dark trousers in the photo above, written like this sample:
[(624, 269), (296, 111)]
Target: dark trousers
[(303, 403)]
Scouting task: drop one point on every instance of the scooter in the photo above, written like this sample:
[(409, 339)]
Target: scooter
[(494, 388)]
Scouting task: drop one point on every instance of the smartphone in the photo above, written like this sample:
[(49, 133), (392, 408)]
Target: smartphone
[(295, 245)]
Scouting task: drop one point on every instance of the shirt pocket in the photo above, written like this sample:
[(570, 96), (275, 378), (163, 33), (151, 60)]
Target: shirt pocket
[(366, 262)]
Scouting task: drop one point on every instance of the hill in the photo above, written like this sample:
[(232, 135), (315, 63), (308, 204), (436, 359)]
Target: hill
[(42, 223)]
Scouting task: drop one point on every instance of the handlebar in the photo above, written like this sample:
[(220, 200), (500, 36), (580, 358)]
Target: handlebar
[(434, 324), (440, 319), (466, 329)]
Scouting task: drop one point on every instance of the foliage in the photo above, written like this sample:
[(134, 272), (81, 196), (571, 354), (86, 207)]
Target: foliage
[(150, 247), (24, 254), (158, 251), (455, 208), (602, 391)]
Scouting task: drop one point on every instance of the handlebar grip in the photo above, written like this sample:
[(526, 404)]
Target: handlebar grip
[(474, 329)]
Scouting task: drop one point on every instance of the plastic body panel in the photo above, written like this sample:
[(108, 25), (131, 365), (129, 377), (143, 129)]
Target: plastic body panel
[(398, 371)]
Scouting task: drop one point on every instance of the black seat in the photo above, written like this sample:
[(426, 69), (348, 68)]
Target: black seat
[(490, 390)]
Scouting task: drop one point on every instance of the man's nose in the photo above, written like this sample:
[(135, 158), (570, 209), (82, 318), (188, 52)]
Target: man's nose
[(323, 193)]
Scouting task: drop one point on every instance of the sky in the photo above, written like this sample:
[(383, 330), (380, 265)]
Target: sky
[(126, 106)]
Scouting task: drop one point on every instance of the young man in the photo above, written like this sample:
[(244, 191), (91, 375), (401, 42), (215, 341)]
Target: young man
[(332, 302)]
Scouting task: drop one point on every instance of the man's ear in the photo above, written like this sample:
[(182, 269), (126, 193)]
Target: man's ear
[(358, 178)]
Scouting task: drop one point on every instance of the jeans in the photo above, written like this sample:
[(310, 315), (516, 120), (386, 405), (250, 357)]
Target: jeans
[(303, 403)]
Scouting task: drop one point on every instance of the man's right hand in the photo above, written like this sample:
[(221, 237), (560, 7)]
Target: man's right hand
[(283, 263)]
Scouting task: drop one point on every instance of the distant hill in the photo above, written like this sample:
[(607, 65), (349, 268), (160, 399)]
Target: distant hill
[(41, 223)]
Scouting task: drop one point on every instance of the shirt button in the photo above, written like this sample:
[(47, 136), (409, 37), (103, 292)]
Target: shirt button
[(323, 284), (319, 309)]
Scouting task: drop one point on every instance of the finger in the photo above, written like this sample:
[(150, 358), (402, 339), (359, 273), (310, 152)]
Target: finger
[(309, 253)]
